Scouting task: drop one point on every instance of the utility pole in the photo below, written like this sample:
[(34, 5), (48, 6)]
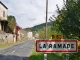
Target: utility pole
[(46, 17), (45, 54)]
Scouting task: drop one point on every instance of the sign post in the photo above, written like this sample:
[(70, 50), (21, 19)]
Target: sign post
[(67, 56), (45, 56)]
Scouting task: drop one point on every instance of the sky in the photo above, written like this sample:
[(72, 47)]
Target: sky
[(29, 13)]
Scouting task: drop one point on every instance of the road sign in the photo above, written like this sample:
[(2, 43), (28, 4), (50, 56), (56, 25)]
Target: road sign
[(78, 43), (57, 36), (57, 46)]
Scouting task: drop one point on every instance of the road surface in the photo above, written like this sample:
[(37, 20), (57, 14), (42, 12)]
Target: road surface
[(20, 51)]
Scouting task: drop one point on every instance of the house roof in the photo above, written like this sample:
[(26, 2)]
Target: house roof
[(3, 5)]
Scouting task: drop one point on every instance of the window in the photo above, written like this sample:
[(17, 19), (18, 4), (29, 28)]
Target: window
[(3, 13)]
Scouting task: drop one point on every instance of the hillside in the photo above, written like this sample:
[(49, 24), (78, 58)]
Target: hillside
[(37, 27)]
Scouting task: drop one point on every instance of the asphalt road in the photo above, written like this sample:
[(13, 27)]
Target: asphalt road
[(20, 51)]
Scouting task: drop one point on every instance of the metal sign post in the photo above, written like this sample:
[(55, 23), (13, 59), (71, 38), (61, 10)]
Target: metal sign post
[(67, 56), (45, 56)]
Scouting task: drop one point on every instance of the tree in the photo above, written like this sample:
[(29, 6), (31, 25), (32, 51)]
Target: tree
[(12, 18), (41, 33), (11, 22), (68, 19)]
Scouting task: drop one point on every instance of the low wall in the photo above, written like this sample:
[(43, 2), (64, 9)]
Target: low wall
[(9, 38), (6, 38)]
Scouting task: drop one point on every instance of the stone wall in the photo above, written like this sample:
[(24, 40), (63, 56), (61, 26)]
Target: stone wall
[(9, 38), (6, 38)]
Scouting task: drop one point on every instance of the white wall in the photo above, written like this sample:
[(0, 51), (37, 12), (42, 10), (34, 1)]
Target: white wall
[(30, 35), (2, 8)]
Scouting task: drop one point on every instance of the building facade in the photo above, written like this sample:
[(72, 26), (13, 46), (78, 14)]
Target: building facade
[(3, 17), (30, 35)]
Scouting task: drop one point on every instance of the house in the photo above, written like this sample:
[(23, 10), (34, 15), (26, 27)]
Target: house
[(29, 35), (22, 34), (16, 32), (4, 36), (3, 17)]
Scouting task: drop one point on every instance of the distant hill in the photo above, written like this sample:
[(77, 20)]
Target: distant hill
[(37, 27)]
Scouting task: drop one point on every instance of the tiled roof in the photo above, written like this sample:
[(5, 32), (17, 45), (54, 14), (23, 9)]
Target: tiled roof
[(3, 5)]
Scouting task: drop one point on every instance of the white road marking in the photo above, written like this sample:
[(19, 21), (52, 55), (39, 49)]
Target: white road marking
[(13, 51)]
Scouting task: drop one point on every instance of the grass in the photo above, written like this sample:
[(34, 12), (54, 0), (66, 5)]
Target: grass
[(36, 56), (9, 44), (50, 56), (5, 45), (54, 56)]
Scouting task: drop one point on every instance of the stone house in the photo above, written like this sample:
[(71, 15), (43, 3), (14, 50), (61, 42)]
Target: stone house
[(4, 36), (22, 34), (29, 35), (3, 17), (16, 32)]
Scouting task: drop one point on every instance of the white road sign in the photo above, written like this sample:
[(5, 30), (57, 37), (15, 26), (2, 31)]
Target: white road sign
[(56, 46)]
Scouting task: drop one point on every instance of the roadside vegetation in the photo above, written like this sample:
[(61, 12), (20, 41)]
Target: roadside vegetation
[(66, 23), (10, 44), (54, 56), (50, 56), (5, 45)]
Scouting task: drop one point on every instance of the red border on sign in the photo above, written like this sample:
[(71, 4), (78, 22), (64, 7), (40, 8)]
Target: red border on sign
[(66, 51)]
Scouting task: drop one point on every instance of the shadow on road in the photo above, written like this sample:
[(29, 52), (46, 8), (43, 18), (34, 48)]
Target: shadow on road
[(12, 57)]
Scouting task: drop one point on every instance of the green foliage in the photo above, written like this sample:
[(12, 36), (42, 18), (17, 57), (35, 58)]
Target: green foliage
[(54, 56), (68, 23), (41, 30), (49, 32), (11, 22), (12, 18), (37, 27), (50, 56), (27, 29), (75, 55), (68, 20), (55, 28), (41, 33)]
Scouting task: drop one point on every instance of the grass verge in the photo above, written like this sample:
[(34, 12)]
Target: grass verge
[(50, 56), (54, 56), (9, 44), (5, 45)]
